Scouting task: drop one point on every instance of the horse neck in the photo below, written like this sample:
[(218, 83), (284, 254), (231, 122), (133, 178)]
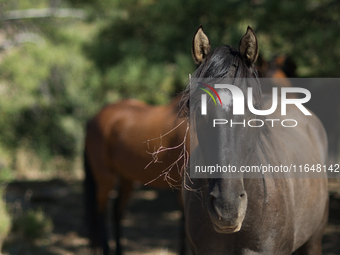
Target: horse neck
[(174, 128), (175, 104), (170, 112)]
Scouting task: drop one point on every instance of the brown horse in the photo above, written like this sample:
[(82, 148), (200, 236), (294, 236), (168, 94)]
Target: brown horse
[(278, 69), (119, 146), (281, 66), (234, 212)]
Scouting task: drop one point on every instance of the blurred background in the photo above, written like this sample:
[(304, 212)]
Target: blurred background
[(61, 61)]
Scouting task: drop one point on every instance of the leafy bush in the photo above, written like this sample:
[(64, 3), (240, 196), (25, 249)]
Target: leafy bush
[(47, 97), (135, 48), (31, 225), (5, 220)]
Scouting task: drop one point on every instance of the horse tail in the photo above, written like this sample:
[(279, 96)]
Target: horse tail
[(90, 199)]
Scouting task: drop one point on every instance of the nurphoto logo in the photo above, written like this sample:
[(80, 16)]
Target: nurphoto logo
[(231, 95)]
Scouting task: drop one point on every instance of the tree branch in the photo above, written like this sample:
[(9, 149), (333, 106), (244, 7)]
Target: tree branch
[(44, 13)]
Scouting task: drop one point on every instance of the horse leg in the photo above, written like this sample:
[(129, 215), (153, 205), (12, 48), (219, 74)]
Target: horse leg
[(314, 245), (103, 189), (95, 206), (95, 218), (102, 234), (182, 234), (120, 203), (90, 206)]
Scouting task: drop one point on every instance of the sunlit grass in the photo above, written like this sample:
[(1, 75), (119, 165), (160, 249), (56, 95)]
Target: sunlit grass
[(5, 220)]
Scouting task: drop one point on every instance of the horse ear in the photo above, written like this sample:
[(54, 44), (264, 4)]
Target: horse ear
[(248, 47), (200, 46)]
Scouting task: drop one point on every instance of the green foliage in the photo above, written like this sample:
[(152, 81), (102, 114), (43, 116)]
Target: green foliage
[(6, 175), (48, 93), (306, 30), (31, 225), (50, 86), (158, 30), (5, 220), (147, 81), (23, 4)]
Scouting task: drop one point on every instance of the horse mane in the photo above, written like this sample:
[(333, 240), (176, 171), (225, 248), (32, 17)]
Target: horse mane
[(215, 66)]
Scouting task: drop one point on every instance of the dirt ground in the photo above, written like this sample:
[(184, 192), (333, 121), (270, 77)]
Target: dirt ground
[(150, 226)]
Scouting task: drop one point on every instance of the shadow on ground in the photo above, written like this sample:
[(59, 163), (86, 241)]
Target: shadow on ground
[(151, 224)]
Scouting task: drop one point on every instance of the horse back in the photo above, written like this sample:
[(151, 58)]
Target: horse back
[(131, 134)]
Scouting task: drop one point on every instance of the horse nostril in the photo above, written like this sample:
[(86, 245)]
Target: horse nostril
[(242, 195), (211, 201), (213, 195)]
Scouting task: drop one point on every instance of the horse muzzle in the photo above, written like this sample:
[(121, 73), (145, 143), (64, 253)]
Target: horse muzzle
[(227, 216), (227, 230)]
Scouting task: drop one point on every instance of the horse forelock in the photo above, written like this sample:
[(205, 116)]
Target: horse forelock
[(221, 62)]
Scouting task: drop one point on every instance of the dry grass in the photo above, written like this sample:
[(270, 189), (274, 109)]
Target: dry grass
[(28, 166)]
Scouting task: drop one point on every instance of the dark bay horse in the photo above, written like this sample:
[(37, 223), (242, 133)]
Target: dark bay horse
[(281, 66), (278, 68), (234, 214), (119, 144)]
